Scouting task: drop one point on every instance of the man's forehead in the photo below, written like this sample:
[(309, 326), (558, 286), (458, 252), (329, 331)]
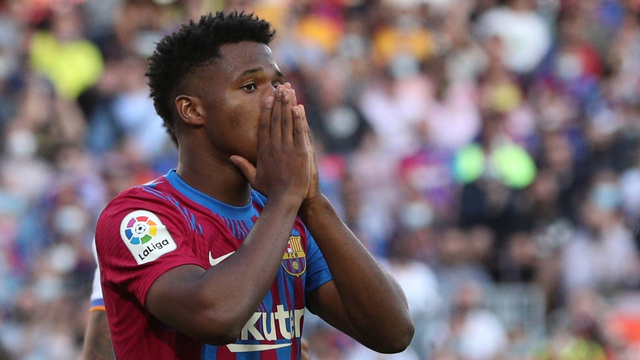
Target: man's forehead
[(239, 57)]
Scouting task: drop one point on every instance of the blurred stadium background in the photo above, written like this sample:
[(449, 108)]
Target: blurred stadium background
[(486, 151)]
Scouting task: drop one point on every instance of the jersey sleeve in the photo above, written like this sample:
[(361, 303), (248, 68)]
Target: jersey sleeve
[(140, 236), (97, 302), (317, 270)]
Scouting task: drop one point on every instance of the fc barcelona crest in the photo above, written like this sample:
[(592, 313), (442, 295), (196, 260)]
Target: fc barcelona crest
[(294, 260)]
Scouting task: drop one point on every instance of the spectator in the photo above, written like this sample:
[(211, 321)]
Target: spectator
[(475, 333), (524, 33), (602, 255), (69, 60)]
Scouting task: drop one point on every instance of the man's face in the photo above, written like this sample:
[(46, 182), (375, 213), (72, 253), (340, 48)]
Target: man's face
[(233, 90)]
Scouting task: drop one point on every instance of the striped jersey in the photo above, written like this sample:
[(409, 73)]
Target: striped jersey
[(150, 229)]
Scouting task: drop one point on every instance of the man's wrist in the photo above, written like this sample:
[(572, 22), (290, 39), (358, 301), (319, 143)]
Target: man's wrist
[(289, 202), (312, 205)]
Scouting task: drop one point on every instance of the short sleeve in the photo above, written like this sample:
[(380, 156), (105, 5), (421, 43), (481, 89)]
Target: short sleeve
[(317, 271), (138, 238), (97, 302), (96, 288)]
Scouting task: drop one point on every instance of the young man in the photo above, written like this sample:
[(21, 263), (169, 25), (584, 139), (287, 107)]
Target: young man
[(219, 258)]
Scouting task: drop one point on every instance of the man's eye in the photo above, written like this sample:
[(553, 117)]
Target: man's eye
[(250, 87)]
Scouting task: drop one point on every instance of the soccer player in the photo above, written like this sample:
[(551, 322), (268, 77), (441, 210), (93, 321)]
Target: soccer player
[(219, 258)]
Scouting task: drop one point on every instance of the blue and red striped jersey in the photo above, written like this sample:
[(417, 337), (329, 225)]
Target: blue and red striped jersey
[(150, 229)]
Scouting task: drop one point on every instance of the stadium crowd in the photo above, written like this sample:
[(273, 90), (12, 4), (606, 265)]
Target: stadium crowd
[(486, 151)]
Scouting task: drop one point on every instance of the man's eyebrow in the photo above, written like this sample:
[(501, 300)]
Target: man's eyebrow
[(249, 71), (257, 70)]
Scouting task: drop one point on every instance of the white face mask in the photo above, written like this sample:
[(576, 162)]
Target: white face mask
[(63, 258), (21, 144), (48, 288), (568, 67), (416, 215), (606, 196), (70, 220), (145, 41), (8, 65)]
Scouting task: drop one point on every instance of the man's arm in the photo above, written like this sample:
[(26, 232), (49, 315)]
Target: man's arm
[(97, 339), (363, 300)]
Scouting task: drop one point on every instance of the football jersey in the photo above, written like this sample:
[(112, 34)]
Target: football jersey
[(152, 228)]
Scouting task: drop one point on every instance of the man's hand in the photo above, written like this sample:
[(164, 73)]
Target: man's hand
[(314, 178), (283, 161)]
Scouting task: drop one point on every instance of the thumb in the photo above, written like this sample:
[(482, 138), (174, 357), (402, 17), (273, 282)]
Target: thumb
[(245, 167)]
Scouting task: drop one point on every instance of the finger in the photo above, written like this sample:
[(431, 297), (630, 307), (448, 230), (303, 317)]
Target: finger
[(265, 122), (294, 100), (287, 120), (276, 117), (307, 136), (299, 137), (307, 132), (245, 167)]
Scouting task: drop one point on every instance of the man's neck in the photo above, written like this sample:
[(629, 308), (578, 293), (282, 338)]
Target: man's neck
[(214, 177)]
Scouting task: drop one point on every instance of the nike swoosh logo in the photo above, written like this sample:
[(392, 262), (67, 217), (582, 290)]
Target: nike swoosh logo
[(255, 347), (215, 261)]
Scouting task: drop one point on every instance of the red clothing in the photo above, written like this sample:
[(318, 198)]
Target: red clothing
[(150, 229)]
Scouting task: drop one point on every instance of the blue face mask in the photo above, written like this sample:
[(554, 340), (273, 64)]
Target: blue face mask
[(416, 215), (606, 196)]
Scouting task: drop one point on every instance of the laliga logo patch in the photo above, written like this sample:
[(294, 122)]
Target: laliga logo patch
[(294, 260), (145, 236)]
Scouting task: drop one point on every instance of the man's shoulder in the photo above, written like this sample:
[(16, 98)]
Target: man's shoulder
[(152, 197), (151, 192), (139, 216)]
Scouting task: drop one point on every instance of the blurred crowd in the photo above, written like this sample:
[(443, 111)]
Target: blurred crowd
[(486, 151)]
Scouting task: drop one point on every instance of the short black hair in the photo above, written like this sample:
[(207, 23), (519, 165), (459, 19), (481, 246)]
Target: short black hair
[(196, 44)]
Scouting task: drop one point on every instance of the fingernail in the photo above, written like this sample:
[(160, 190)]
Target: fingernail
[(268, 103), (279, 92), (285, 96), (296, 111)]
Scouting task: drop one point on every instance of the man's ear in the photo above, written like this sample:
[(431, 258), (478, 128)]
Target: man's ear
[(190, 109)]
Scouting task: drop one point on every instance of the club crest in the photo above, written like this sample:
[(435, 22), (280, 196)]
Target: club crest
[(294, 260)]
